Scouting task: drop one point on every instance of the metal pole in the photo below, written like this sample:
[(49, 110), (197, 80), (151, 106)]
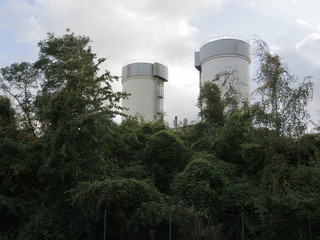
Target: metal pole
[(242, 226), (156, 100), (105, 225), (200, 86), (176, 123), (170, 226), (36, 232), (309, 227)]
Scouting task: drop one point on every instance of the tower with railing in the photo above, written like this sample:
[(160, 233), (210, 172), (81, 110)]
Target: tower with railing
[(223, 54), (144, 81)]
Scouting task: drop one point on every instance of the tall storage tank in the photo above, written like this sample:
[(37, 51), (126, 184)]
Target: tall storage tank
[(225, 54), (145, 82)]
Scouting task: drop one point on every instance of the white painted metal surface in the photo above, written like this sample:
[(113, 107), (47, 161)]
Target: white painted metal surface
[(145, 82), (225, 54)]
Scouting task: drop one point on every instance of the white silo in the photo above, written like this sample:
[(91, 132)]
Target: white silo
[(145, 82), (225, 54)]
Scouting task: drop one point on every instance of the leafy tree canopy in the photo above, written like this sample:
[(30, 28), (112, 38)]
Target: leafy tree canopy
[(283, 107)]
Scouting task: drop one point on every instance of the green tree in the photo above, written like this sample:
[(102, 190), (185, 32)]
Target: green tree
[(283, 107), (226, 117), (119, 197), (288, 195), (132, 136), (72, 86), (7, 114), (210, 104), (20, 82), (151, 221), (202, 181), (75, 108), (165, 155), (19, 162), (222, 96)]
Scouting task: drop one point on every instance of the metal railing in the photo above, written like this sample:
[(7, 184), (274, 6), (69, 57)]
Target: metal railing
[(226, 36), (144, 61)]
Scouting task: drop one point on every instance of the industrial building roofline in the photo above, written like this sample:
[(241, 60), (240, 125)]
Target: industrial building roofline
[(147, 69), (222, 46)]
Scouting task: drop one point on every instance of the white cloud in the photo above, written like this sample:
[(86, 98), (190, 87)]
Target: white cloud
[(252, 4), (303, 23), (309, 38), (123, 30), (125, 27), (309, 47), (289, 10), (169, 30), (181, 8)]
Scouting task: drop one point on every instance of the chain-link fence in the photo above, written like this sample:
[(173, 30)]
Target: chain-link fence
[(183, 225)]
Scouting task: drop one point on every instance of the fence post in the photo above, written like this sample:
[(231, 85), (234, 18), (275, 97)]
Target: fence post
[(309, 227), (170, 226), (36, 230), (242, 221), (105, 225)]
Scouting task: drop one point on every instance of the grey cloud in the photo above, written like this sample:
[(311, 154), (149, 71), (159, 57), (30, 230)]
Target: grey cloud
[(123, 30)]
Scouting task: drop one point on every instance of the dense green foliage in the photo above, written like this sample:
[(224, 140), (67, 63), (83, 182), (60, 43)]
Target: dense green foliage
[(64, 163), (19, 81)]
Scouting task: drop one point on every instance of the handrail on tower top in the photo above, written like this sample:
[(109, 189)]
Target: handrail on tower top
[(144, 61), (226, 36)]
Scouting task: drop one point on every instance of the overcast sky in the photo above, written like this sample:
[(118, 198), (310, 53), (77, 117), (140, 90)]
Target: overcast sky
[(168, 30)]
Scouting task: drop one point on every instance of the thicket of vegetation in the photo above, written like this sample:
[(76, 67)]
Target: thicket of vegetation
[(64, 162)]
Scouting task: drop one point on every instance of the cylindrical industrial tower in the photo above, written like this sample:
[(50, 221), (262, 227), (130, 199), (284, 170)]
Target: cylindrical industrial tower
[(145, 82), (225, 54)]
